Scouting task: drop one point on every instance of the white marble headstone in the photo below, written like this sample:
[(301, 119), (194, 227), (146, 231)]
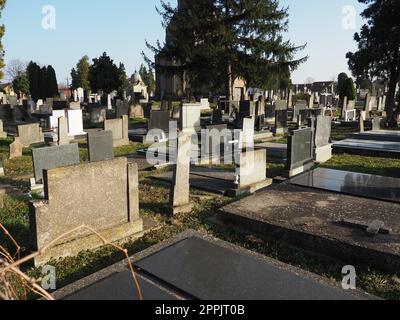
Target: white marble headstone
[(75, 123)]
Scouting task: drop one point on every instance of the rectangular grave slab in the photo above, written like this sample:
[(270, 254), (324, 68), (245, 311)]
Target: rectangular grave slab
[(368, 147), (310, 218), (353, 183), (381, 135), (100, 145), (119, 129), (209, 269), (53, 157)]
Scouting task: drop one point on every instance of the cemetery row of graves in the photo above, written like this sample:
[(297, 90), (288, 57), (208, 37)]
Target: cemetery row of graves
[(307, 186)]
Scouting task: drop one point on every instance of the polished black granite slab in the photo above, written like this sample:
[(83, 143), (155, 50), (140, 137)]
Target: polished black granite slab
[(120, 286), (381, 135), (368, 147), (352, 183), (208, 271)]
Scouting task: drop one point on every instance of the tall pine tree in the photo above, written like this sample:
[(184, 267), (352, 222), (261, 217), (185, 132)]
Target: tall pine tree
[(378, 54), (216, 41), (104, 74), (80, 74)]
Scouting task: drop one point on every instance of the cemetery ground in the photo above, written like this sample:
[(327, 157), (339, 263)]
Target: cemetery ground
[(154, 198)]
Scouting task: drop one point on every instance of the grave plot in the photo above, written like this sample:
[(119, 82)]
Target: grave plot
[(333, 224), (180, 269), (352, 183), (385, 143)]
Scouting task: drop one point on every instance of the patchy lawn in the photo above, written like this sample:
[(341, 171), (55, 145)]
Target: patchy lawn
[(370, 165), (154, 199)]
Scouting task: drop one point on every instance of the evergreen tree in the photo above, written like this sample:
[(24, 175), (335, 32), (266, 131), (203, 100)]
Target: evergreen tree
[(80, 74), (123, 80), (34, 76), (378, 54), (342, 78), (104, 74), (216, 41), (148, 78), (2, 31), (21, 84), (51, 82), (349, 89)]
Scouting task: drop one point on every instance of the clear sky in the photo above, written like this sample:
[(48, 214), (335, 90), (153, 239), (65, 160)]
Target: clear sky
[(120, 28)]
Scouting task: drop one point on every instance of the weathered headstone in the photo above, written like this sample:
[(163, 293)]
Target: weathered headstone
[(190, 117), (101, 195), (252, 168), (100, 145), (62, 131), (322, 135), (179, 196), (376, 124), (30, 134), (3, 134), (53, 157), (16, 148), (119, 129)]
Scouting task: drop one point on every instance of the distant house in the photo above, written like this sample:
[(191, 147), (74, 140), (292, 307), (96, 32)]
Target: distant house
[(319, 87), (65, 90)]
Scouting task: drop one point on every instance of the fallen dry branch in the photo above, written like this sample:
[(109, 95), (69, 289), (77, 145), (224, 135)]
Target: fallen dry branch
[(9, 267)]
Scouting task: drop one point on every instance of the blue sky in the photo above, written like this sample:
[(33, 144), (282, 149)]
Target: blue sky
[(120, 27)]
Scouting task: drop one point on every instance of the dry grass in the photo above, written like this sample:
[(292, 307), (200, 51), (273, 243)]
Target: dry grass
[(15, 284)]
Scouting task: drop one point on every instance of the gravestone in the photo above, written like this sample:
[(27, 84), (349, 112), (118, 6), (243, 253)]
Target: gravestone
[(300, 152), (136, 111), (53, 157), (119, 129), (322, 135), (350, 115), (159, 120), (3, 135), (30, 134), (300, 105), (252, 168), (247, 108), (217, 116), (122, 109), (98, 115), (204, 104), (75, 123), (62, 131), (180, 189), (80, 94), (100, 145), (75, 105), (53, 119), (190, 117), (102, 195), (376, 124), (16, 148), (6, 112), (281, 118), (247, 133), (13, 101), (281, 105)]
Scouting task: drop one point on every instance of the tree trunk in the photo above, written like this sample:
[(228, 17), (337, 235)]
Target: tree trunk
[(228, 89), (391, 99)]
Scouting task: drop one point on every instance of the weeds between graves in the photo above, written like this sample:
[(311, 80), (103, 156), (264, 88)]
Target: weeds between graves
[(15, 284)]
